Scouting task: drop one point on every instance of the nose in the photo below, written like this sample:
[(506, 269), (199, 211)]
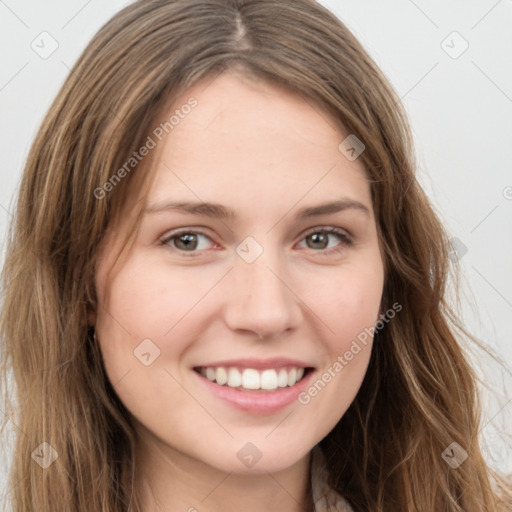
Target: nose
[(260, 299)]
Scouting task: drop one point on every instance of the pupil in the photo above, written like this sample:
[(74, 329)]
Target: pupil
[(318, 238), (188, 240)]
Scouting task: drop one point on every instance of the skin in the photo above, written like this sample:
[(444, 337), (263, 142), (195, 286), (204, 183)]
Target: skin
[(264, 152)]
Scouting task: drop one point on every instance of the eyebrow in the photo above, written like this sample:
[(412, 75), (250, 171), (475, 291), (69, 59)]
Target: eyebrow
[(220, 211)]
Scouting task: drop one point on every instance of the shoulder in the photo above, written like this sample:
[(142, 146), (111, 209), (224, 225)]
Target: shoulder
[(326, 499)]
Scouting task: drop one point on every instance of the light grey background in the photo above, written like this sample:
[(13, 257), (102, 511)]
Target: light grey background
[(459, 104)]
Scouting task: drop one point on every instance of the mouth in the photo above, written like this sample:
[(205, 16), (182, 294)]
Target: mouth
[(262, 380)]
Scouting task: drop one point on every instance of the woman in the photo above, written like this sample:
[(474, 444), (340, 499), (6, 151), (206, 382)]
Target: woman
[(178, 338)]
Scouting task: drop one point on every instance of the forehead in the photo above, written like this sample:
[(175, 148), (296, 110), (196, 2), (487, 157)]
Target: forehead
[(242, 112), (247, 138)]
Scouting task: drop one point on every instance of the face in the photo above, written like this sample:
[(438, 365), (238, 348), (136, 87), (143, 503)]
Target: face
[(266, 287)]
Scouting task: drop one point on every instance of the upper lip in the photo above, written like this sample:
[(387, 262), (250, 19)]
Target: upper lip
[(257, 364)]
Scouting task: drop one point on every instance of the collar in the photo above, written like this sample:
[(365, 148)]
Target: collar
[(325, 498)]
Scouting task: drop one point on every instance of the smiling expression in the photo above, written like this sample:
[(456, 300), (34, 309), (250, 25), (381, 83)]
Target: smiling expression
[(255, 225)]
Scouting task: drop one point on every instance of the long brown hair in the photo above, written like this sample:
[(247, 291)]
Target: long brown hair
[(419, 395)]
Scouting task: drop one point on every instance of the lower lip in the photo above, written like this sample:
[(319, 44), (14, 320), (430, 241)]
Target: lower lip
[(257, 402)]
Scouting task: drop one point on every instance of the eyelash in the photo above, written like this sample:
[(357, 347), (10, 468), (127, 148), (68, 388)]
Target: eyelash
[(346, 240)]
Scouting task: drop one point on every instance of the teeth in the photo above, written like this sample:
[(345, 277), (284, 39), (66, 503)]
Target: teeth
[(250, 378), (234, 378), (282, 380), (269, 379), (292, 377), (221, 377)]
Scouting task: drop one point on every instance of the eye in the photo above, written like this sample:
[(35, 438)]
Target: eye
[(188, 241), (319, 238)]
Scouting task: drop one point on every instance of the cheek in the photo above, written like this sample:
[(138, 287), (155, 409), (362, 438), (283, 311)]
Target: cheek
[(143, 331), (147, 298), (150, 301), (347, 303), (348, 308)]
